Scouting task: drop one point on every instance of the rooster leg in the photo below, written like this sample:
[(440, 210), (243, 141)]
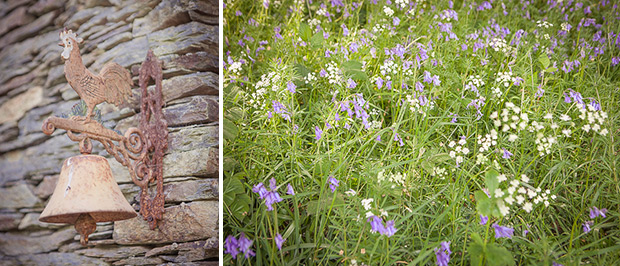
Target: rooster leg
[(89, 113)]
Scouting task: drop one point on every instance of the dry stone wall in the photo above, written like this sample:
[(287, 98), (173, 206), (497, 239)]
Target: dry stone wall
[(183, 34)]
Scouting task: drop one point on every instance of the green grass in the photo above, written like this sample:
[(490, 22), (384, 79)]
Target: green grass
[(325, 227)]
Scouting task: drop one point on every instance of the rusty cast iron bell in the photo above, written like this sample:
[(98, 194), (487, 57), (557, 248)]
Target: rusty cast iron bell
[(86, 194)]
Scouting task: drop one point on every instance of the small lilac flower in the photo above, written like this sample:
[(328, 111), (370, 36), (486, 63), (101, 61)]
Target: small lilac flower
[(291, 86), (379, 83), (279, 241), (419, 86), (244, 245), (333, 183), (427, 77), (443, 254), (317, 132), (272, 184), (454, 118), (351, 84), (539, 93), (232, 246), (506, 154), (586, 226), (323, 73), (261, 190), (595, 212), (378, 139), (396, 21), (272, 198), (376, 224), (389, 228), (501, 231), (556, 264), (289, 190), (483, 219)]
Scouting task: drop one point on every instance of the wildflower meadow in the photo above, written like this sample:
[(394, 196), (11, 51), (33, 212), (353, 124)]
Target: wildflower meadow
[(403, 132)]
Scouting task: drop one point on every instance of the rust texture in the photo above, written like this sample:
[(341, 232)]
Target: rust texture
[(155, 129), (85, 225), (141, 149)]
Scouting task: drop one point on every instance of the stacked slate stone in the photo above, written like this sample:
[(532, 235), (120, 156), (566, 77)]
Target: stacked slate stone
[(183, 34)]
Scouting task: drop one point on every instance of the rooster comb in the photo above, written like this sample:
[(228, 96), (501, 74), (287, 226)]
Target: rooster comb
[(69, 34)]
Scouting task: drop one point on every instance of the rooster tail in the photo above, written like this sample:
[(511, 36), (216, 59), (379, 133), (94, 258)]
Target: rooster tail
[(118, 83)]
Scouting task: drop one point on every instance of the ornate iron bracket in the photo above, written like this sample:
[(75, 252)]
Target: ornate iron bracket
[(141, 149)]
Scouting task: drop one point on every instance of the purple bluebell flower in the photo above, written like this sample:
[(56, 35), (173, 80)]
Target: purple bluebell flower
[(399, 139), (276, 31), (323, 73), (388, 84), (238, 13), (483, 219), (271, 198), (351, 83), (595, 105), (454, 117), (379, 83), (501, 231), (419, 86), (506, 154), (389, 228), (289, 190), (556, 264), (443, 254), (566, 98), (290, 86), (539, 93), (245, 245), (279, 241), (353, 47), (317, 132), (586, 226), (378, 139), (427, 77), (232, 246), (595, 212), (261, 190), (376, 224), (333, 183), (345, 30), (325, 35), (396, 21), (272, 184)]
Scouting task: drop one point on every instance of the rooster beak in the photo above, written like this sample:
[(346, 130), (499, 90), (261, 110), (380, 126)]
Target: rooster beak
[(61, 44)]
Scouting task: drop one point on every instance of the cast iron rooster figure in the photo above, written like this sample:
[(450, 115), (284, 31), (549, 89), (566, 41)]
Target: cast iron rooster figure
[(112, 85)]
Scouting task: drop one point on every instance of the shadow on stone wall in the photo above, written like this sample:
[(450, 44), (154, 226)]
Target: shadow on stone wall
[(184, 35)]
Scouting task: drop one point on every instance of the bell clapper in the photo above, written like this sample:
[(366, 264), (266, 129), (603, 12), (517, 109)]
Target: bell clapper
[(85, 225)]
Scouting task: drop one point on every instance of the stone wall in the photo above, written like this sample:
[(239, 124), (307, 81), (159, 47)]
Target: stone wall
[(184, 35)]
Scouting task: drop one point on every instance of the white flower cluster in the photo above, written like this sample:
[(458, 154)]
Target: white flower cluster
[(378, 29), (388, 68), (499, 44), (439, 172), (334, 74), (234, 68), (402, 3), (521, 193), (544, 143), (388, 11), (322, 12), (543, 24), (487, 141), (397, 178), (267, 81), (459, 151), (594, 119), (415, 105), (565, 27), (475, 81), (505, 78), (511, 118), (311, 77), (496, 92), (313, 22)]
